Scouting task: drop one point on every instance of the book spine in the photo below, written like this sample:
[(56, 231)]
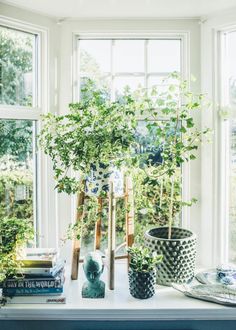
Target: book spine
[(33, 291), (37, 300), (31, 283), (43, 272)]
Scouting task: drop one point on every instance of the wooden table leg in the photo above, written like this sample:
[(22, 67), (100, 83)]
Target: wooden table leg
[(98, 226), (111, 238), (77, 242), (129, 205)]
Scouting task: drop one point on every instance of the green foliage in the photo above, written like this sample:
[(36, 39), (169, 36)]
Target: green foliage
[(16, 139), (142, 260), (98, 130), (15, 62), (14, 234), (10, 206), (170, 116), (95, 131)]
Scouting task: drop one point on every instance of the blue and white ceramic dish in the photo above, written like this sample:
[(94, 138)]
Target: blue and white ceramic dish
[(221, 275)]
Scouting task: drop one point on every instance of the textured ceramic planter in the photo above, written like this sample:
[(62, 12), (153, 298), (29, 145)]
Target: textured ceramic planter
[(179, 254), (142, 284), (99, 178)]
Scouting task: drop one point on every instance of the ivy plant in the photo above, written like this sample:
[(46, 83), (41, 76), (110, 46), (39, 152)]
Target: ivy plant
[(142, 260), (14, 234), (96, 130)]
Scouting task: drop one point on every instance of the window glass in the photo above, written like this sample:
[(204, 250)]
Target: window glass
[(163, 55), (95, 57), (16, 168), (232, 152), (132, 82), (129, 56), (16, 67)]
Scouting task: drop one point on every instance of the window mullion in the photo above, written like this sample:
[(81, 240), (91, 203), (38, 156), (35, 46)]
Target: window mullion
[(112, 70)]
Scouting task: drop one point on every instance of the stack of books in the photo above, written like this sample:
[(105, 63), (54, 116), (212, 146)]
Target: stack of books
[(42, 278)]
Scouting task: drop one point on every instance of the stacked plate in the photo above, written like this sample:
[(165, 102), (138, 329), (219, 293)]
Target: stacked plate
[(217, 285)]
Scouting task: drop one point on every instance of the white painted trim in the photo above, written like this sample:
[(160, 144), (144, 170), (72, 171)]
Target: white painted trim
[(166, 304), (214, 230), (8, 112)]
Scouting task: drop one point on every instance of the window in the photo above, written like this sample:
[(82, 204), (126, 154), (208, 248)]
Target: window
[(18, 123), (114, 64), (133, 62), (228, 141)]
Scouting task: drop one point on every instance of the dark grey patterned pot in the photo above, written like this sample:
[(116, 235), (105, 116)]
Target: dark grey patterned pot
[(179, 254), (142, 284)]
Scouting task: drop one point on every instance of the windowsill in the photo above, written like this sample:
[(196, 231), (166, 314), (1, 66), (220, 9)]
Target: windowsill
[(167, 304)]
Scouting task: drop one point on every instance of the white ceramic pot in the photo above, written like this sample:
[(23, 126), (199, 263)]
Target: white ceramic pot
[(97, 183)]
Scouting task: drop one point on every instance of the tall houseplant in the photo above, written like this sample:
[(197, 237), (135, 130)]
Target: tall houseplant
[(169, 117)]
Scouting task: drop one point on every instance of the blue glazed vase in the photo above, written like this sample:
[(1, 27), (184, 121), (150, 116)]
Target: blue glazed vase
[(142, 284), (97, 182)]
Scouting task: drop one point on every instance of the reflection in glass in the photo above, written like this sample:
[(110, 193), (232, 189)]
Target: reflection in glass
[(16, 66)]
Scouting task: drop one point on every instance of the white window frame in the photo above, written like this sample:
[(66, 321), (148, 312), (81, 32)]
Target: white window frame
[(184, 37), (44, 182), (214, 167), (224, 145)]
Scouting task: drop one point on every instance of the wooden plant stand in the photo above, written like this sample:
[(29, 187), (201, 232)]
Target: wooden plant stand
[(112, 250)]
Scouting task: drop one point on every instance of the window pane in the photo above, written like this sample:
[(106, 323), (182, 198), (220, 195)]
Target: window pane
[(158, 83), (16, 168), (103, 83), (232, 151), (120, 83), (163, 55), (16, 67), (232, 194), (95, 57), (129, 56)]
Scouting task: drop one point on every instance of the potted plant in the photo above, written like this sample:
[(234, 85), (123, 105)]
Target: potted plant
[(94, 140), (142, 272), (15, 233), (172, 139)]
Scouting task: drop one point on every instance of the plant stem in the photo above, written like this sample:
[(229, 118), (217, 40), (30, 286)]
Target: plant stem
[(171, 208)]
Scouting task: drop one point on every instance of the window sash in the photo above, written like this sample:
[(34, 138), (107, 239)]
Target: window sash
[(44, 183)]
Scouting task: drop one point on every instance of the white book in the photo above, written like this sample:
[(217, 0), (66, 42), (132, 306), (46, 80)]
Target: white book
[(61, 299)]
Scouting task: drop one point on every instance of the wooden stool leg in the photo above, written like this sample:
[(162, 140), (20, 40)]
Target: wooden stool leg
[(111, 238), (98, 226), (129, 204), (76, 242)]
